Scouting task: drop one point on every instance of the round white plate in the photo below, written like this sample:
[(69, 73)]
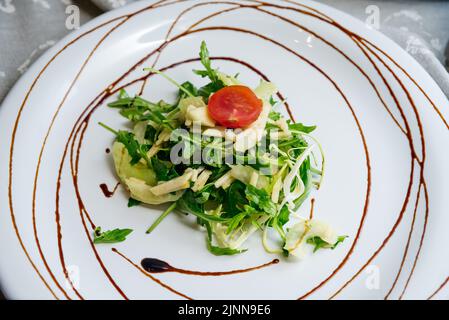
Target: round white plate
[(382, 120)]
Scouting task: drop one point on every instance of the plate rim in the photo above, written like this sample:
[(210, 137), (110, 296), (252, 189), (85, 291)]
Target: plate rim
[(378, 38)]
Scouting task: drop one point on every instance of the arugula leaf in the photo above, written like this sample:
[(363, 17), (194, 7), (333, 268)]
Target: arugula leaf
[(306, 177), (205, 61), (121, 103), (261, 199), (138, 109), (215, 84), (164, 170), (202, 73), (235, 222), (128, 102), (218, 172), (133, 203), (340, 239), (238, 219), (123, 94), (255, 161), (318, 243), (285, 252), (133, 114), (275, 116), (135, 150), (125, 101), (302, 128), (217, 251), (202, 196), (210, 193), (234, 199), (188, 204), (112, 236), (297, 142), (165, 107), (321, 244), (190, 88), (209, 89), (151, 134), (284, 216)]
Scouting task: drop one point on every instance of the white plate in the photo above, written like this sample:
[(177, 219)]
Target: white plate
[(372, 102)]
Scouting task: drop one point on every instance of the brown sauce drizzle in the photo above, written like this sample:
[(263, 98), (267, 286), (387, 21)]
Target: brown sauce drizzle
[(312, 209), (152, 265), (150, 276), (10, 201), (82, 123), (439, 289), (105, 189)]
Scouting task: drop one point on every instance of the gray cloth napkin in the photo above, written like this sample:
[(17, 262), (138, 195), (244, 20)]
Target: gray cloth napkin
[(111, 4), (421, 50), (404, 25), (28, 28)]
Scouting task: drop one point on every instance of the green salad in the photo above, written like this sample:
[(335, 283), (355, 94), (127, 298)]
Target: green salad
[(224, 154)]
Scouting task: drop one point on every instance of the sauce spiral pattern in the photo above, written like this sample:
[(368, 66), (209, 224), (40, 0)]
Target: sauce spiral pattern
[(377, 58)]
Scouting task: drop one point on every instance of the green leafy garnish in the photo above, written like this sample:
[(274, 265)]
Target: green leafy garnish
[(302, 128), (209, 89), (261, 199), (135, 150), (205, 61), (133, 203), (215, 84), (164, 170), (275, 116), (319, 243), (188, 204), (215, 250), (112, 236), (189, 87), (284, 216), (234, 198)]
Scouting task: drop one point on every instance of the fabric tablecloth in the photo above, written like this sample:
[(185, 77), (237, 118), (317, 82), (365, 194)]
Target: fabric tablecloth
[(28, 28)]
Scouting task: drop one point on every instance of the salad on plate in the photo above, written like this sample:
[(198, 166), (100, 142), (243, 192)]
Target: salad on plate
[(224, 154)]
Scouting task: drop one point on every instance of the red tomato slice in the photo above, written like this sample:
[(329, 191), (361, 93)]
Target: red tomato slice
[(235, 107)]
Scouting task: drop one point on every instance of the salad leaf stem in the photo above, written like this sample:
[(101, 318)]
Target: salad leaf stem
[(162, 218), (323, 156), (170, 80), (266, 245), (108, 128)]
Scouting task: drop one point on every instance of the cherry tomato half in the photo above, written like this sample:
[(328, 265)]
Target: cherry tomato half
[(235, 107)]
